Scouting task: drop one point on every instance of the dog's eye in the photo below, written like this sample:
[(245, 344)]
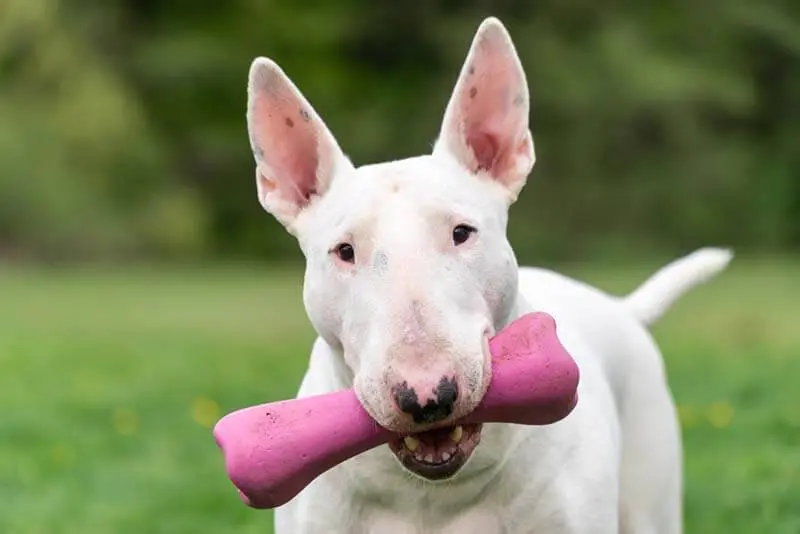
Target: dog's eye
[(345, 252), (461, 233)]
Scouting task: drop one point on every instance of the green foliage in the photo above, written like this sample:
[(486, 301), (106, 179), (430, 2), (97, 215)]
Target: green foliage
[(80, 170), (112, 380), (661, 125)]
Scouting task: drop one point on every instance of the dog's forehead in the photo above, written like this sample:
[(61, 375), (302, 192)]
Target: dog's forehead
[(421, 186), (405, 195), (423, 179)]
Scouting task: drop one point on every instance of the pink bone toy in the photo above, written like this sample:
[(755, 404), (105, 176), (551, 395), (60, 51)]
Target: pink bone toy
[(272, 451)]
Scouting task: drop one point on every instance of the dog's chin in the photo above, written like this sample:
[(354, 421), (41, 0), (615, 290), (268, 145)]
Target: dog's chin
[(437, 454)]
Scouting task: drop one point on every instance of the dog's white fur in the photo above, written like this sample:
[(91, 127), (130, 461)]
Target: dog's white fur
[(414, 306)]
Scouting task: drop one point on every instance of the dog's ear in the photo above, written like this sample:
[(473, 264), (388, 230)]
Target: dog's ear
[(485, 125), (296, 155)]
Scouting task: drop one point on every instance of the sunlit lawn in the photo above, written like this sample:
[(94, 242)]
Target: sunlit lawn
[(111, 380)]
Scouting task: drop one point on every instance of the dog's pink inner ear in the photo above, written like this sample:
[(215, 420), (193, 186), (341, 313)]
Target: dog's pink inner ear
[(493, 110), (286, 143), (487, 121)]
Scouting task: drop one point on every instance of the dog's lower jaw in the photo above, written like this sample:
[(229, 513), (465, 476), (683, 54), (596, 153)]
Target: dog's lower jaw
[(439, 454)]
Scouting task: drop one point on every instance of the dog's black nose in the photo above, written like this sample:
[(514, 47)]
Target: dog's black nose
[(434, 410)]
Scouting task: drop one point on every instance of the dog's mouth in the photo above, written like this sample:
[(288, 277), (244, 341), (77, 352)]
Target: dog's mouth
[(437, 454)]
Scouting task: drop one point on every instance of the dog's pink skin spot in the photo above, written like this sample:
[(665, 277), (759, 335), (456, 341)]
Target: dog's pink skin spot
[(266, 184)]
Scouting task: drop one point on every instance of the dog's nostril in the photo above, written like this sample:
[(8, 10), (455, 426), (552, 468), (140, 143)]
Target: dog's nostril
[(447, 392), (406, 398)]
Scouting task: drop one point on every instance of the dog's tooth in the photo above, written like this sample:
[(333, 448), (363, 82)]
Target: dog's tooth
[(445, 456), (411, 443), (457, 434), (429, 458)]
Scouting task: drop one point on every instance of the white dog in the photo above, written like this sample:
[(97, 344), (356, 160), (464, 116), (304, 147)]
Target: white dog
[(409, 272)]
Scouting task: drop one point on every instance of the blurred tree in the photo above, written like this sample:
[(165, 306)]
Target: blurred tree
[(666, 124), (80, 173)]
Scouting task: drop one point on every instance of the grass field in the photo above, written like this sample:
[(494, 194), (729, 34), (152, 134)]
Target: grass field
[(110, 382)]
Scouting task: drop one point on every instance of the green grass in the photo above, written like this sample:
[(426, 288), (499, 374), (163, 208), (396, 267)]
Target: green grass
[(110, 381)]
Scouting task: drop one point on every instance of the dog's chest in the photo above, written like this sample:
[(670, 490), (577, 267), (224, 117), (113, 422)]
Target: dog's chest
[(474, 521), (385, 522), (382, 502)]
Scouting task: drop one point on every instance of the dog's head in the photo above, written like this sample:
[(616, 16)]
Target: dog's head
[(409, 270)]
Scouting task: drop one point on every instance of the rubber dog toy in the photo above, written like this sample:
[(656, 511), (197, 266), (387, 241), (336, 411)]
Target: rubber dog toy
[(272, 451)]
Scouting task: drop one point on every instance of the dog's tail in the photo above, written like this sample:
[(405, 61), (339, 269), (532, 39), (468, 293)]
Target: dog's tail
[(654, 297)]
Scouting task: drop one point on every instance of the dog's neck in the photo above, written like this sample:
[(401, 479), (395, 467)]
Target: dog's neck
[(343, 377)]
